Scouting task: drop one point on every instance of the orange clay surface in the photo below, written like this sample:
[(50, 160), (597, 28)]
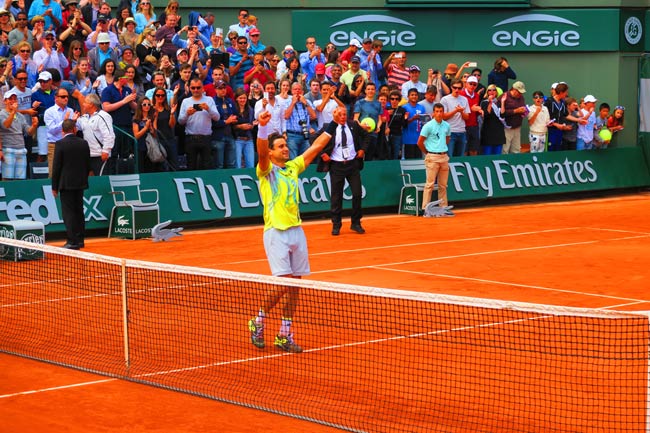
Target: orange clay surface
[(589, 253)]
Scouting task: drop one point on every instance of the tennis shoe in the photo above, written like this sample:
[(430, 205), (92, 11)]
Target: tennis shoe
[(257, 333), (286, 343)]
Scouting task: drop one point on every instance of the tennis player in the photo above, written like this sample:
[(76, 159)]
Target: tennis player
[(284, 239)]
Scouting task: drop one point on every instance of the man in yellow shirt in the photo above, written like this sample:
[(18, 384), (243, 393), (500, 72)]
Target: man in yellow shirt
[(284, 239)]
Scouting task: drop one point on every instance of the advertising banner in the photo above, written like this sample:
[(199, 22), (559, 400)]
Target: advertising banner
[(215, 195)]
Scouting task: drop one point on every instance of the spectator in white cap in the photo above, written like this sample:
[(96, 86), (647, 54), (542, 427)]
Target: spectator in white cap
[(51, 55), (586, 129), (14, 128), (103, 27), (287, 53), (414, 83), (352, 50), (102, 52), (42, 99)]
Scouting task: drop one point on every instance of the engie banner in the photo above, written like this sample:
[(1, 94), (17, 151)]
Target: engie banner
[(230, 194)]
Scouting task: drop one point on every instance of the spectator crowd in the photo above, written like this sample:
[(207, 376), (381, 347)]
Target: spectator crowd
[(133, 77)]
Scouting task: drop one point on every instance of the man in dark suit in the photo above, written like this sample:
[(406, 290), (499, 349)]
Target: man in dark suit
[(344, 161), (69, 180)]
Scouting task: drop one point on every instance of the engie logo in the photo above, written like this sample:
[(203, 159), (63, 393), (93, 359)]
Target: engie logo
[(388, 30), (545, 31)]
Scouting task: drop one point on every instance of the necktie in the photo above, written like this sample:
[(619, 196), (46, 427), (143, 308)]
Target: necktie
[(344, 137)]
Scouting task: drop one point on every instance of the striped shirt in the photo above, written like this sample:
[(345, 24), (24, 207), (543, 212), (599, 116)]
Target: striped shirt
[(397, 76)]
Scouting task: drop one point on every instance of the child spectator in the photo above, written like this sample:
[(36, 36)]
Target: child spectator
[(538, 119), (586, 129), (570, 134), (616, 121), (601, 123)]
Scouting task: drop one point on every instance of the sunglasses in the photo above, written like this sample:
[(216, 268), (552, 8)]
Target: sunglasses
[(538, 97), (49, 39), (195, 88), (62, 96), (477, 75), (456, 87), (159, 95), (2, 65), (472, 84), (75, 48), (146, 104), (21, 78), (242, 42), (21, 19), (395, 99), (145, 3)]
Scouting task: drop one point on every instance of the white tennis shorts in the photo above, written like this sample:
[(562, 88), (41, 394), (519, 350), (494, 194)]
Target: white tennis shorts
[(287, 252)]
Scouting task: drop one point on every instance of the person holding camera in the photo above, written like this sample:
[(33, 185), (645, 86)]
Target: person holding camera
[(196, 114), (298, 114), (258, 71)]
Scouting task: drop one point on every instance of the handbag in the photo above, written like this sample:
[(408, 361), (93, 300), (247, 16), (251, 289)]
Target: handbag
[(156, 152)]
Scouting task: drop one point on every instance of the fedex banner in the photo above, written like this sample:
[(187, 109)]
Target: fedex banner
[(214, 195)]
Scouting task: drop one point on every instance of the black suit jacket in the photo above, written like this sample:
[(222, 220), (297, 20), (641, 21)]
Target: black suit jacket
[(71, 164), (323, 166)]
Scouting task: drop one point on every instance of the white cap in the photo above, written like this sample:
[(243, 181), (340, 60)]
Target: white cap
[(288, 47), (44, 76), (9, 93), (103, 38), (590, 98), (355, 42), (472, 79)]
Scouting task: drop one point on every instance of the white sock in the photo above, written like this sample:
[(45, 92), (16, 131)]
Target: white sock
[(260, 317), (285, 329)]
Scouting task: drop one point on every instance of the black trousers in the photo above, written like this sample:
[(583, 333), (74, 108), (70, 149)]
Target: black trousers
[(199, 152), (72, 210), (339, 173)]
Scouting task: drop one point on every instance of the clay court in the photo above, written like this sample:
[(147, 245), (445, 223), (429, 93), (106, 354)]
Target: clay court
[(585, 253)]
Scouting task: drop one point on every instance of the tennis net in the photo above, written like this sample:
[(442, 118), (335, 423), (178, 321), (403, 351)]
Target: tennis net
[(374, 360)]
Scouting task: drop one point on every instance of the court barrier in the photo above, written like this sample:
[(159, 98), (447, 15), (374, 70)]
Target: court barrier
[(215, 195)]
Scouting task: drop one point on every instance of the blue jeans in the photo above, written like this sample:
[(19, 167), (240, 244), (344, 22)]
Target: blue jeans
[(396, 146), (492, 150), (581, 145), (457, 144), (245, 148), (297, 144), (223, 151)]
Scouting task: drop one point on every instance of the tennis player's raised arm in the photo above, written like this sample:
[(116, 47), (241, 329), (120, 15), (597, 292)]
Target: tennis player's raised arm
[(263, 143)]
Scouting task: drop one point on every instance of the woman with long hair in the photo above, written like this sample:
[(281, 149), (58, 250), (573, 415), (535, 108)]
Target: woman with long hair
[(133, 80), (284, 89), (256, 92), (143, 125), (243, 131), (106, 76), (164, 122), (76, 51), (492, 131), (145, 16), (123, 12), (167, 66), (81, 77), (147, 45)]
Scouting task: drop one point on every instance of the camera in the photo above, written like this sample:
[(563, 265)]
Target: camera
[(305, 129), (197, 107)]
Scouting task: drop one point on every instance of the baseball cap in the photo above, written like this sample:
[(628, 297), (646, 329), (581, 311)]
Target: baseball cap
[(44, 76), (519, 86), (355, 42), (355, 59), (590, 98), (180, 50), (254, 31), (320, 68), (102, 17), (49, 33), (220, 84), (414, 68), (288, 47), (10, 93), (554, 85), (367, 40), (103, 38), (472, 79), (451, 68)]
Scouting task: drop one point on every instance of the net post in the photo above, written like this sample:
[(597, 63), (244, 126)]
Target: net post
[(125, 318)]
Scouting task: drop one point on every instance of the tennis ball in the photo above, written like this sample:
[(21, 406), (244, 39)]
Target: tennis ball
[(369, 122), (605, 134)]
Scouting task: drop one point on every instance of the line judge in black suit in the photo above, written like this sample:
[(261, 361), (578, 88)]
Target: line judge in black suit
[(344, 161), (70, 171)]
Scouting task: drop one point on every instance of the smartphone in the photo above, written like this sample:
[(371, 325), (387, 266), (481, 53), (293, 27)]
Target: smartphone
[(197, 107), (266, 95), (472, 64), (219, 31)]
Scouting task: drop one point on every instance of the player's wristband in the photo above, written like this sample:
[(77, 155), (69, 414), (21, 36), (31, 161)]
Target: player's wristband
[(263, 131)]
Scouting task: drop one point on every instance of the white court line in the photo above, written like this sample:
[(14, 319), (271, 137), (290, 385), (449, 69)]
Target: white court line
[(525, 286), (418, 244), (277, 355)]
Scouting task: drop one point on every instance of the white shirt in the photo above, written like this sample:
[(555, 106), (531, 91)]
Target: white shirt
[(97, 130), (327, 115), (338, 151), (277, 123)]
